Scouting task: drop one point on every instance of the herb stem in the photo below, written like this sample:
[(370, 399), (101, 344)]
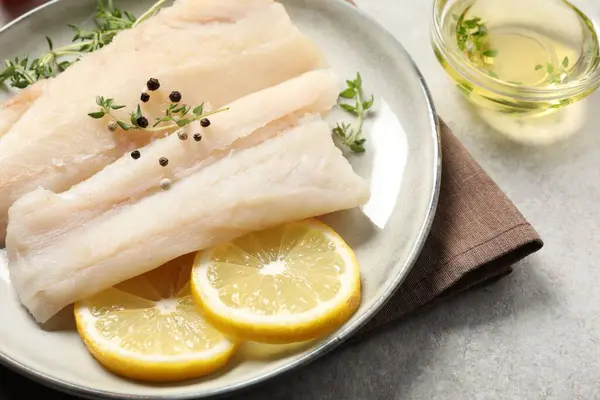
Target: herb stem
[(107, 107), (148, 13), (26, 74), (22, 72), (175, 126), (61, 52), (74, 48), (361, 115)]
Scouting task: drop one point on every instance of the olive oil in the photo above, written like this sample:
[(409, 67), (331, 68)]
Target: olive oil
[(528, 57), (536, 56)]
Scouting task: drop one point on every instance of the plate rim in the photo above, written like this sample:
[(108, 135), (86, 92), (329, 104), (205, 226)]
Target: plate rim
[(323, 348)]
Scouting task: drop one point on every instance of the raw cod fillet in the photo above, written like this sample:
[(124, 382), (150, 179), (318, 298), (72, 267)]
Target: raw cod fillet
[(250, 120), (295, 175), (215, 51), (12, 109)]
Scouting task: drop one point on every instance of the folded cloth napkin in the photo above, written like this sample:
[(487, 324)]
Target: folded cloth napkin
[(477, 234)]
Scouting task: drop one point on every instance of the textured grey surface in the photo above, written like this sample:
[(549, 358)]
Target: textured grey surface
[(533, 335)]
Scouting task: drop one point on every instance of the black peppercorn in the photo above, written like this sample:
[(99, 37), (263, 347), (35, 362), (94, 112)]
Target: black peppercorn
[(142, 122), (175, 96), (163, 161), (205, 122), (197, 137), (153, 84), (135, 154), (145, 97)]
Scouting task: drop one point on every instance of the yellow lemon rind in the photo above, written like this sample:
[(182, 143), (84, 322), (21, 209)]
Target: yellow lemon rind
[(283, 334)]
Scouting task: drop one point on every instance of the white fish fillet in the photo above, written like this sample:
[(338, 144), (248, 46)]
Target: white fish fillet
[(215, 51), (249, 121), (295, 175), (12, 109)]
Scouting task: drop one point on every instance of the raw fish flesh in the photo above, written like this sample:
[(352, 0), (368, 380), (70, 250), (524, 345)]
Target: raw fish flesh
[(294, 175), (214, 51), (249, 121), (12, 109)]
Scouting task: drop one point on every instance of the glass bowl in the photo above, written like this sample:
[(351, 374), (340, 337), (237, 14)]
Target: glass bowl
[(523, 57)]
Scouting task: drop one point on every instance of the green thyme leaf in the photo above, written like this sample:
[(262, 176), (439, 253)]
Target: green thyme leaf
[(124, 126), (369, 103), (358, 81), (348, 93), (466, 88), (138, 112), (490, 53), (198, 110), (349, 108), (97, 114), (471, 24), (565, 62), (357, 148)]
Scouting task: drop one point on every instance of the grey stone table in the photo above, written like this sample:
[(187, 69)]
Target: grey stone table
[(533, 335)]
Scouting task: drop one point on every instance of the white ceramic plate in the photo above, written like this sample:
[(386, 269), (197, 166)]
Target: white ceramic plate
[(402, 163)]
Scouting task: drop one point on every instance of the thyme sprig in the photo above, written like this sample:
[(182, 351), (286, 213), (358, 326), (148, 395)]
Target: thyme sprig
[(176, 115), (556, 74), (23, 71), (472, 37), (352, 136)]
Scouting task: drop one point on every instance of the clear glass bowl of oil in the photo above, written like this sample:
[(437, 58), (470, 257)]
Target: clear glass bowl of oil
[(519, 59)]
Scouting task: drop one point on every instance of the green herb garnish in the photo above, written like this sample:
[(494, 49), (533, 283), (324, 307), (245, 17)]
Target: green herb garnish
[(472, 37), (352, 136), (556, 74), (466, 88), (490, 53), (176, 116), (22, 72)]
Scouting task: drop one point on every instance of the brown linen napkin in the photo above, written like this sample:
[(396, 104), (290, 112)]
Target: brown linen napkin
[(477, 233)]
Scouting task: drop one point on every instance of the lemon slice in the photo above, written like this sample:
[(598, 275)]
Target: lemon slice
[(282, 285), (149, 328)]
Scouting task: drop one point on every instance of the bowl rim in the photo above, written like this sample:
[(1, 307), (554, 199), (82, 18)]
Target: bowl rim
[(503, 88)]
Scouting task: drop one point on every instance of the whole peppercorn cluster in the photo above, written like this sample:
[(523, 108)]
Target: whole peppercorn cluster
[(176, 115)]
